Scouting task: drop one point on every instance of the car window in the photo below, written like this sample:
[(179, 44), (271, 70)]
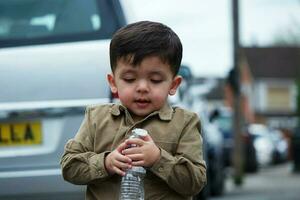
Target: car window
[(225, 123), (56, 49), (44, 21)]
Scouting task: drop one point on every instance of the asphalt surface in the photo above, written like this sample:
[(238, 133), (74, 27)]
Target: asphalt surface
[(271, 183)]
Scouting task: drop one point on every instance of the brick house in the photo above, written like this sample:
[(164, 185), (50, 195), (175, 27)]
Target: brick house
[(268, 85)]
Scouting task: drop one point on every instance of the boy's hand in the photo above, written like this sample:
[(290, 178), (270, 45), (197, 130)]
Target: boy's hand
[(145, 154), (116, 162)]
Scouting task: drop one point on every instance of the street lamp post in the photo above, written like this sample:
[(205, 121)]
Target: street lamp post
[(238, 149)]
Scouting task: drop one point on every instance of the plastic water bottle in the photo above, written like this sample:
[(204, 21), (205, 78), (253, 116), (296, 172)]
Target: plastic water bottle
[(132, 184)]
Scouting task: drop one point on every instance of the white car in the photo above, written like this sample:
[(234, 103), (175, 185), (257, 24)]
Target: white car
[(263, 143), (53, 60)]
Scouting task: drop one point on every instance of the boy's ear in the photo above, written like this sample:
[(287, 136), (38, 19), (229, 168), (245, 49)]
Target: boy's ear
[(175, 84), (112, 83)]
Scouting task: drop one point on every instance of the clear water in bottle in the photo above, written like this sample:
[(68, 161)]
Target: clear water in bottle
[(132, 184)]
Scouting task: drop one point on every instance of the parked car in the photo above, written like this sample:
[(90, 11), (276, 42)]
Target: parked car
[(215, 153), (263, 143), (270, 144), (251, 164), (281, 146), (53, 55), (223, 118), (212, 137)]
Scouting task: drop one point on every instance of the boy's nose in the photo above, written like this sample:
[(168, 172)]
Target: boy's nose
[(142, 86)]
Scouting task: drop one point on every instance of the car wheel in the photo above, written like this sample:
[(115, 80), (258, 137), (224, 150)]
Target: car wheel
[(217, 178)]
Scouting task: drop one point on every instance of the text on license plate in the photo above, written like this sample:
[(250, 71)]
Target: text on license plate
[(24, 133)]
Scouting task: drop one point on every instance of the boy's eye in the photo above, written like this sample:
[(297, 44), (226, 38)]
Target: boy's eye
[(129, 80), (156, 81)]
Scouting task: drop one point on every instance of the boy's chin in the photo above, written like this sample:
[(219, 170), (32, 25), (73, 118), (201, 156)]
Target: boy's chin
[(139, 114)]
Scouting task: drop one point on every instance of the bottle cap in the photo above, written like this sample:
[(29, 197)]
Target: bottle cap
[(139, 132)]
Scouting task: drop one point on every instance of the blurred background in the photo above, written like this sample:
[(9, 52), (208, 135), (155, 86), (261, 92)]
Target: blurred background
[(241, 70)]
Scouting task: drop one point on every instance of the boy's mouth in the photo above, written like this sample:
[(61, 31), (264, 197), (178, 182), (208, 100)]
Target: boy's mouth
[(142, 102)]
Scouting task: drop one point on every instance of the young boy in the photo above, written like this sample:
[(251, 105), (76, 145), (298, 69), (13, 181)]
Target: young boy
[(145, 58)]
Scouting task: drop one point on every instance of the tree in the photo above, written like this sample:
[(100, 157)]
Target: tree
[(288, 35)]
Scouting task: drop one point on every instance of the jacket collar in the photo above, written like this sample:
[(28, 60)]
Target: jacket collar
[(165, 113)]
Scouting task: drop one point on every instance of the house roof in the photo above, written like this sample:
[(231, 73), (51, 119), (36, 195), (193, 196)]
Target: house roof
[(216, 92), (273, 62)]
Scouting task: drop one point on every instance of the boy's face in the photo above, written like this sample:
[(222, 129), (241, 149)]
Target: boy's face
[(143, 88)]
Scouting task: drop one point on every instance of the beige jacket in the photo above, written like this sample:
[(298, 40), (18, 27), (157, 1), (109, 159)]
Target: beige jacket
[(179, 174)]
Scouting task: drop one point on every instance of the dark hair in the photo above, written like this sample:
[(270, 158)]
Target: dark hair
[(138, 40)]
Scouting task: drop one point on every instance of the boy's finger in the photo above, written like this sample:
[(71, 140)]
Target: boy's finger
[(119, 171), (123, 166), (123, 159), (147, 138), (132, 150), (138, 163), (135, 157), (134, 141), (121, 147)]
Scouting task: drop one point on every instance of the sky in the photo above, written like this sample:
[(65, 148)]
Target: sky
[(204, 27)]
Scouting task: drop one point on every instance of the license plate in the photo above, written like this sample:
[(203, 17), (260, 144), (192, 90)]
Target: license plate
[(18, 134)]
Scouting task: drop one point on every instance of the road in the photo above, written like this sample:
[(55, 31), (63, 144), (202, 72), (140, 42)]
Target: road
[(272, 183)]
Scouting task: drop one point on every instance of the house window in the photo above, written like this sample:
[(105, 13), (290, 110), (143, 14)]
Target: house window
[(278, 99)]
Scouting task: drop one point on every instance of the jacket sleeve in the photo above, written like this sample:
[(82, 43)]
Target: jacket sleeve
[(185, 172), (79, 163)]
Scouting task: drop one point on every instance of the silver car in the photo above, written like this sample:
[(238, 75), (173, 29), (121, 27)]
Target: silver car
[(53, 61)]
